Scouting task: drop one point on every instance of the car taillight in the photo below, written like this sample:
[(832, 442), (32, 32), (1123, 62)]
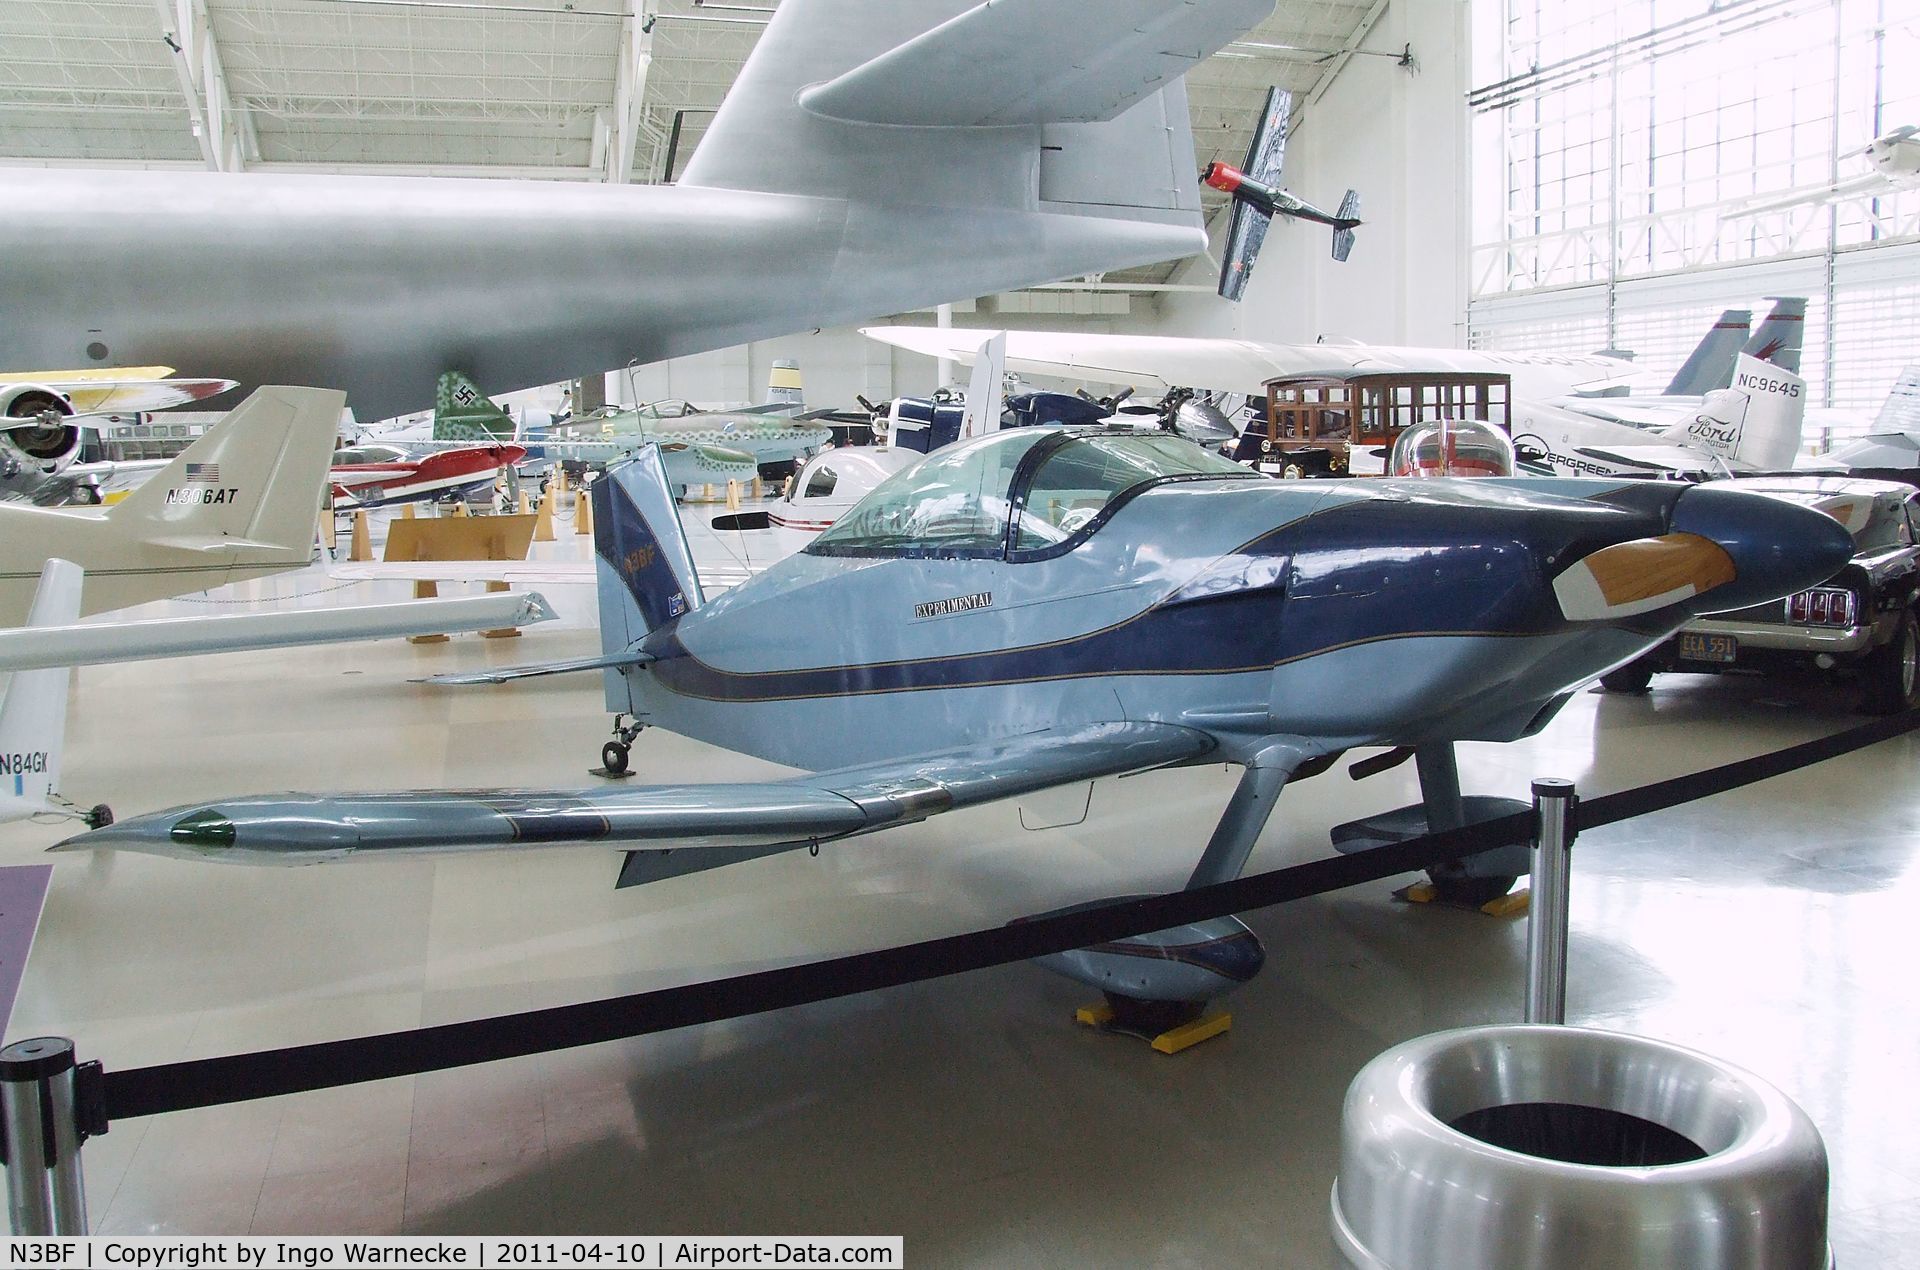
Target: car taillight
[(1822, 606)]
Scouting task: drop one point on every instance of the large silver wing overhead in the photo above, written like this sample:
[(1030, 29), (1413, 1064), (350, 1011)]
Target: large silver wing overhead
[(1051, 64), (752, 817)]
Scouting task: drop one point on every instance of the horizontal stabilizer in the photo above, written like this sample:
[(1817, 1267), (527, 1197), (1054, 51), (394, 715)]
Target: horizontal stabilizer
[(1654, 458), (534, 670), (91, 643), (309, 829), (1347, 217), (211, 542), (1017, 62)]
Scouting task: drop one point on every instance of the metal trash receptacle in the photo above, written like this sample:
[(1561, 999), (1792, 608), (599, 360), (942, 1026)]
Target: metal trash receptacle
[(1535, 1146)]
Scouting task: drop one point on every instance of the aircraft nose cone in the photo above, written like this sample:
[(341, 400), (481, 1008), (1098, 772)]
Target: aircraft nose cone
[(1777, 547)]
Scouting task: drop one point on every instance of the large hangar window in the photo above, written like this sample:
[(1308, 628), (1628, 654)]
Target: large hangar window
[(1637, 167)]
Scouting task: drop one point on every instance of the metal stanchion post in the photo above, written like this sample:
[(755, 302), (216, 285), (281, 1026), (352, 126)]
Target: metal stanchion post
[(45, 1191), (1553, 803)]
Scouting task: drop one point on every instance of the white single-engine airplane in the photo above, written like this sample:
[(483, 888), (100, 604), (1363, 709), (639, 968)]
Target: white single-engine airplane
[(1555, 428), (45, 416), (1030, 140), (1053, 605), (1894, 157)]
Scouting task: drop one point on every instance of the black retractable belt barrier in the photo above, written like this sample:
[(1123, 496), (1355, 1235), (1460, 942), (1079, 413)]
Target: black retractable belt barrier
[(147, 1091)]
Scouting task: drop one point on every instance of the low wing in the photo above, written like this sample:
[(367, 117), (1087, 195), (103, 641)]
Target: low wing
[(128, 396), (715, 575), (90, 643), (309, 829), (354, 476), (1153, 364), (512, 572)]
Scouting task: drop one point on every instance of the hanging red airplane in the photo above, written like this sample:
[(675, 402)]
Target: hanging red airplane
[(378, 475)]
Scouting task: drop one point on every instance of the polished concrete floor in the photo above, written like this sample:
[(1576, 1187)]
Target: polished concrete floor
[(1772, 927)]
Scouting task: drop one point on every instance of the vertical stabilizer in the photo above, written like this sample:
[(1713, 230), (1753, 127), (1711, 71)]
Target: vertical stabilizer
[(1710, 365), (986, 391), (784, 386), (253, 480), (1756, 423), (461, 412), (33, 721), (1901, 410), (1779, 337), (644, 565)]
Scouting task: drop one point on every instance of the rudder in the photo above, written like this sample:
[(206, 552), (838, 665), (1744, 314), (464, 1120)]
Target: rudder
[(253, 480), (33, 721), (643, 564), (1779, 337), (1710, 365), (461, 412)]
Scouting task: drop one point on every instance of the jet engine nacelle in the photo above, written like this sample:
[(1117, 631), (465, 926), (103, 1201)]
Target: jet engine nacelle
[(37, 433)]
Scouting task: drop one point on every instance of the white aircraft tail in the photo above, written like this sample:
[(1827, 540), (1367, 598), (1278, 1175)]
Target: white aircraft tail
[(253, 481), (33, 721), (785, 387), (1901, 410), (1754, 424), (986, 391)]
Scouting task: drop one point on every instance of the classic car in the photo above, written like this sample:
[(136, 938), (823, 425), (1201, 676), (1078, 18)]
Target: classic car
[(1860, 622)]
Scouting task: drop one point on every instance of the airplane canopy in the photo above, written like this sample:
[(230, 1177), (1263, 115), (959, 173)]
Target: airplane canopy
[(1015, 492)]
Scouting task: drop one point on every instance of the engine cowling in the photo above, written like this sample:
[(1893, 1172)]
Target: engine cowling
[(37, 432)]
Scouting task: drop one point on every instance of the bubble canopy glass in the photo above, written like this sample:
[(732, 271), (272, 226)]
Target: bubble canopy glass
[(1021, 493)]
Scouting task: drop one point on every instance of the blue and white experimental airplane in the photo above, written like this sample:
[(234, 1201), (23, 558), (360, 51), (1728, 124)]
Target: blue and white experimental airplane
[(1056, 605)]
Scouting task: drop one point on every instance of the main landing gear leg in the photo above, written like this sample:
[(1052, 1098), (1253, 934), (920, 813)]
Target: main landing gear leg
[(1157, 986), (1471, 881), (615, 754)]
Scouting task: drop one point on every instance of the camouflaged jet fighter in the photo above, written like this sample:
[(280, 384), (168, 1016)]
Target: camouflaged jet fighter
[(1056, 605)]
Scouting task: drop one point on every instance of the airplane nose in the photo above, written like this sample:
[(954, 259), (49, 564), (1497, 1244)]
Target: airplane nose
[(1776, 547)]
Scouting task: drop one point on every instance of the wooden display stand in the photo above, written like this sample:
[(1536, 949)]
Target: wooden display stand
[(459, 538)]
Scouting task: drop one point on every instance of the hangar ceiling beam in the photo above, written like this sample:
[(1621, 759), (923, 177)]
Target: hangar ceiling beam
[(187, 28), (630, 90), (1347, 50)]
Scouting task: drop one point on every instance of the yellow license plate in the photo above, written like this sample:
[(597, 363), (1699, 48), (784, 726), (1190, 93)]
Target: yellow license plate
[(1698, 647)]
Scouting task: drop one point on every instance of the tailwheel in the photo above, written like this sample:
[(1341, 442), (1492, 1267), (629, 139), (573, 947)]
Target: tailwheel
[(99, 816), (616, 755)]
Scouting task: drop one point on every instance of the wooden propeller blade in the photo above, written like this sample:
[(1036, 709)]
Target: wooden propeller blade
[(1641, 576)]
